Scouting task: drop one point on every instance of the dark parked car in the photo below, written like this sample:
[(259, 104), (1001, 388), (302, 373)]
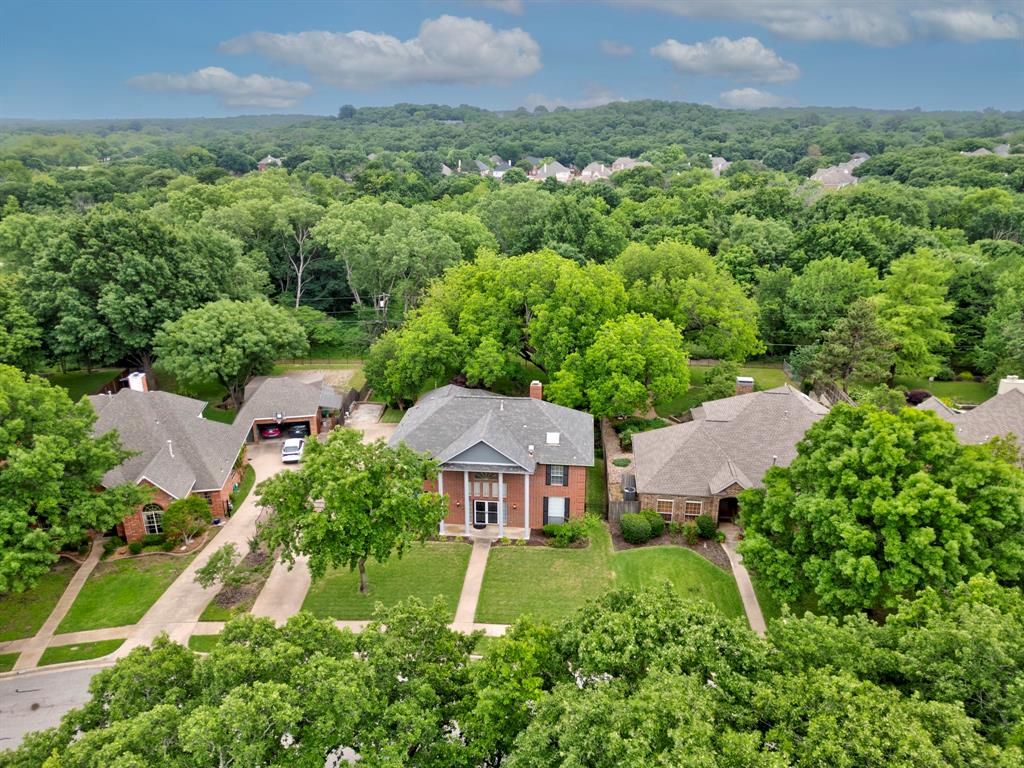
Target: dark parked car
[(270, 430), (297, 430)]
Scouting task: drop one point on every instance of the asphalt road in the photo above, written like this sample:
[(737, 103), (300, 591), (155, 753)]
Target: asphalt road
[(36, 700)]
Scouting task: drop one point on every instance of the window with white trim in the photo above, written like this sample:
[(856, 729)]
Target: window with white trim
[(693, 508), (556, 510), (153, 518), (665, 509), (558, 474)]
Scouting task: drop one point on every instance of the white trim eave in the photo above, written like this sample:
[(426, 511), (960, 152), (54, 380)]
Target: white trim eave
[(156, 484)]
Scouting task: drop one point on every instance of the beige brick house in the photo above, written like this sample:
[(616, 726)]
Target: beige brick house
[(700, 467)]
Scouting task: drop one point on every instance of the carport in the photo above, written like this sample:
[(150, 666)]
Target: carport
[(285, 403)]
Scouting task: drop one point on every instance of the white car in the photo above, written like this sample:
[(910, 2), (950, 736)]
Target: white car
[(291, 451)]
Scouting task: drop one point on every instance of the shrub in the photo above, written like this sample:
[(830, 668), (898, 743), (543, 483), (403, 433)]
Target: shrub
[(655, 521), (565, 534), (626, 439), (676, 528), (135, 547), (153, 539), (690, 534), (706, 527), (187, 518), (966, 376), (635, 528), (720, 381), (167, 546), (917, 396), (111, 544), (621, 462)]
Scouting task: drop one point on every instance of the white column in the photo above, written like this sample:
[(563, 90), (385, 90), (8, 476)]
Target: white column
[(526, 510), (465, 488), (440, 490), (501, 505)]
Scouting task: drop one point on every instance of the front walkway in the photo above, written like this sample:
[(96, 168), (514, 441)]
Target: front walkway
[(34, 646), (750, 605), (465, 613)]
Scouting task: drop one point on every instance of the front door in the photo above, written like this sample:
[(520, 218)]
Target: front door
[(485, 512)]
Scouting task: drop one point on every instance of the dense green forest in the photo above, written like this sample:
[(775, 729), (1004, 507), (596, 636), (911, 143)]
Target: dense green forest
[(111, 229)]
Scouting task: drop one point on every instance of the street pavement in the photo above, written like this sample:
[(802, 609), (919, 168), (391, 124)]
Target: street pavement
[(39, 698)]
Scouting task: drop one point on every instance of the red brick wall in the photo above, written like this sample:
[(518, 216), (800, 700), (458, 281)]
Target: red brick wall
[(133, 527), (515, 486)]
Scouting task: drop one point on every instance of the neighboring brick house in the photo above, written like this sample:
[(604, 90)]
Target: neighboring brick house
[(178, 453), (509, 464), (701, 466), (1002, 415)]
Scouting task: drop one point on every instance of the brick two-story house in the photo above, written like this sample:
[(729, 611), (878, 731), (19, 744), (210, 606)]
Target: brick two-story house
[(508, 464)]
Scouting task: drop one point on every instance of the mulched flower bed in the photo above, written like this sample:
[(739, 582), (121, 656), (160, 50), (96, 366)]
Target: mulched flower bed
[(540, 540), (711, 551)]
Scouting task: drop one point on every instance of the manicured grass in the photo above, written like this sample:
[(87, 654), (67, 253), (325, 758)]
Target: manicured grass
[(7, 661), (120, 592), (958, 391), (59, 654), (596, 495), (550, 583), (79, 383), (22, 614), (764, 378), (223, 415), (203, 643), (212, 392), (240, 494), (392, 415), (214, 611), (436, 568)]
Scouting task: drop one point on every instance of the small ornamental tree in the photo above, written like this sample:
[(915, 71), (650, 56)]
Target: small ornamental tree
[(350, 501), (186, 518), (221, 568)]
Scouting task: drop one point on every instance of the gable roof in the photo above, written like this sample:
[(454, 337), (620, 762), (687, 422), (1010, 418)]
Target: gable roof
[(999, 415), (554, 168), (266, 397), (450, 421), (178, 450), (732, 441)]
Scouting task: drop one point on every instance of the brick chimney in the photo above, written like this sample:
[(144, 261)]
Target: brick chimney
[(744, 385), (536, 390), (138, 382)]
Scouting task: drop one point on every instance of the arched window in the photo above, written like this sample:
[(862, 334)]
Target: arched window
[(153, 518)]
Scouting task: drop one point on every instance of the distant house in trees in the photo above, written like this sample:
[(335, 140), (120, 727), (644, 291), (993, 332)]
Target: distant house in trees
[(553, 170), (626, 163), (445, 170), (594, 172), (533, 161), (501, 168), (508, 464), (701, 466), (269, 162), (841, 175), (1000, 416), (979, 152), (718, 165)]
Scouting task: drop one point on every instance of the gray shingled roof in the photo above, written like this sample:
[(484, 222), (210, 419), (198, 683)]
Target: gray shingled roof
[(285, 395), (1000, 415), (448, 421), (730, 441), (198, 457)]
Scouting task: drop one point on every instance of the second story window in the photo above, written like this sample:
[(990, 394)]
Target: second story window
[(557, 474)]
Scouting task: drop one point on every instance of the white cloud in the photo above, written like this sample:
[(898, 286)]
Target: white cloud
[(594, 96), (878, 24), (515, 7), (743, 59), (968, 25), (446, 50), (230, 89), (612, 48), (751, 98)]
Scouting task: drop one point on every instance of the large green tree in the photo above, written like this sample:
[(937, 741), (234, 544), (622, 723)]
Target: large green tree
[(856, 350), (51, 472), (20, 336), (823, 293), (350, 501), (229, 342), (635, 360), (877, 505), (913, 308)]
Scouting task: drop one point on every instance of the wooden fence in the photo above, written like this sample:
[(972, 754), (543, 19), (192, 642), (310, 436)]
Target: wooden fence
[(352, 397), (616, 509)]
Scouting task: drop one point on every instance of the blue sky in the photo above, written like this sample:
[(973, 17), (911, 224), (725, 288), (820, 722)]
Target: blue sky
[(185, 59)]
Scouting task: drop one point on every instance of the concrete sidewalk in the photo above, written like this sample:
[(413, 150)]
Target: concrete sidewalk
[(750, 605), (470, 595), (34, 646), (284, 591)]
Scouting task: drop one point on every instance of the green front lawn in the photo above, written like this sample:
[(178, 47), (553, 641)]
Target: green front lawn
[(239, 495), (7, 661), (436, 568), (764, 378), (59, 654), (22, 614), (550, 583), (80, 383), (958, 391), (119, 593), (203, 643)]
